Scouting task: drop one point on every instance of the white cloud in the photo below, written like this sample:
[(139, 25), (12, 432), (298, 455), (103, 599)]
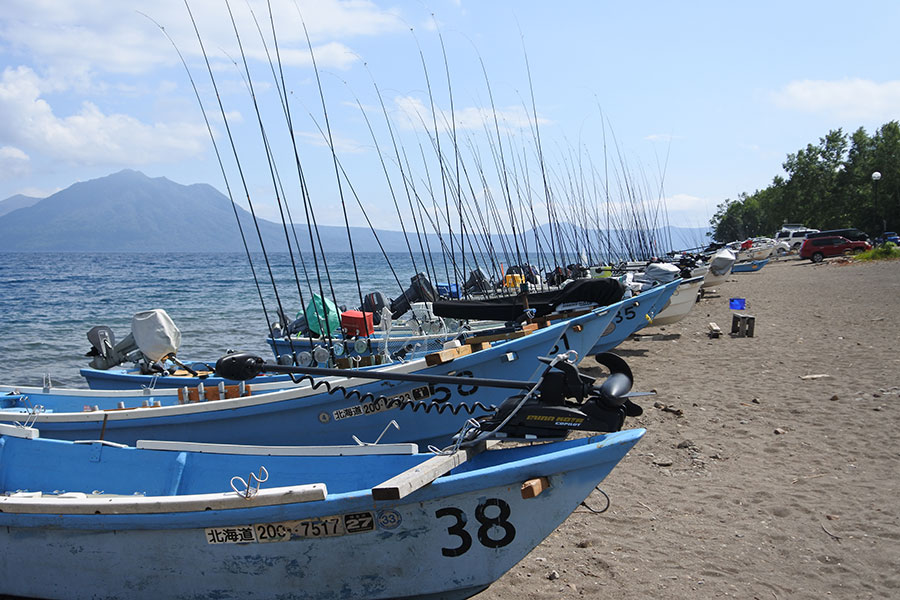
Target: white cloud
[(91, 36), (13, 162), (845, 98), (89, 136)]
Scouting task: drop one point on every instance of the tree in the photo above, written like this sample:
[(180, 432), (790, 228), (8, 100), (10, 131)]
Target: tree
[(827, 186)]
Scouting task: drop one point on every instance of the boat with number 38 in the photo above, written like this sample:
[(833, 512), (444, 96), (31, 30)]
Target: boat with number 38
[(188, 520)]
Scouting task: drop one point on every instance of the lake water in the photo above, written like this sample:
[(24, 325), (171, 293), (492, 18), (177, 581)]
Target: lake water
[(48, 302)]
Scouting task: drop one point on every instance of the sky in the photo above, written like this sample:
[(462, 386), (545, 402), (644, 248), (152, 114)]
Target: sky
[(675, 104)]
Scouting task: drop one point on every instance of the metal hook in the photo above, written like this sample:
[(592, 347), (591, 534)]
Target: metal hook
[(393, 424), (249, 489)]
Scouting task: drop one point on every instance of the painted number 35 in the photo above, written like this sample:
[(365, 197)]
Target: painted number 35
[(629, 314), (495, 531)]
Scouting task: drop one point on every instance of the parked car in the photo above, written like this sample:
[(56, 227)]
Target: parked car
[(819, 248), (793, 238), (779, 248), (888, 236), (851, 233)]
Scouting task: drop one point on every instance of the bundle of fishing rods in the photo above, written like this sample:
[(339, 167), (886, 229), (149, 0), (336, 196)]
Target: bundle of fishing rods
[(515, 211)]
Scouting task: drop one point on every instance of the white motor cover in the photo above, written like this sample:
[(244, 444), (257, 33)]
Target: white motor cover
[(722, 261), (661, 272), (155, 333), (422, 311)]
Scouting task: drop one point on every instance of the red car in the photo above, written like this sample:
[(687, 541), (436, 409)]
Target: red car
[(817, 249)]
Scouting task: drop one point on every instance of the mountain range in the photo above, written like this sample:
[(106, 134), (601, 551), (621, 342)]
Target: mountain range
[(130, 212)]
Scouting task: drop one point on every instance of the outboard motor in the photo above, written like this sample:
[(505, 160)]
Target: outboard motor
[(104, 350), (557, 276), (153, 337), (577, 271), (287, 327), (421, 290), (567, 400), (373, 303), (478, 282)]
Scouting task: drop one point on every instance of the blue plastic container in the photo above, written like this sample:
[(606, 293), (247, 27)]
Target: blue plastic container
[(737, 303), (449, 290)]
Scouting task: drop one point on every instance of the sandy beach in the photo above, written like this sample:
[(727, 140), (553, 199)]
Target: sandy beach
[(771, 464)]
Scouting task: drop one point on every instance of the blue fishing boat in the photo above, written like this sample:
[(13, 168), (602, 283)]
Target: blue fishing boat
[(173, 374), (320, 411), (94, 520), (634, 316), (583, 337), (750, 266)]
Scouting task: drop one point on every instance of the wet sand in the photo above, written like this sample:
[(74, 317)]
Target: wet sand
[(771, 464)]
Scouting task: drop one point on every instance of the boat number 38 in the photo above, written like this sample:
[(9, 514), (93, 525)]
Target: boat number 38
[(494, 531)]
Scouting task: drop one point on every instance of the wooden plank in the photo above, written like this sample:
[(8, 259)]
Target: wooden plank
[(562, 315), (496, 337), (240, 449), (445, 356), (533, 487), (409, 481), (479, 346)]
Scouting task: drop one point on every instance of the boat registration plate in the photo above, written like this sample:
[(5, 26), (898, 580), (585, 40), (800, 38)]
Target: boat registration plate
[(381, 404), (285, 531)]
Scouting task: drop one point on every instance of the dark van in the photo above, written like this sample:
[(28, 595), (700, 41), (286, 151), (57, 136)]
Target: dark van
[(852, 234)]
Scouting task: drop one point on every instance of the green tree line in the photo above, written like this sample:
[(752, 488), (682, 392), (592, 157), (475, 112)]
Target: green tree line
[(829, 185)]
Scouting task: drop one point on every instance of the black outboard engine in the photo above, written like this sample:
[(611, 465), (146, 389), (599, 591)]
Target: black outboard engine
[(478, 282), (373, 303), (529, 272), (577, 271), (557, 276), (421, 290), (288, 327), (566, 400)]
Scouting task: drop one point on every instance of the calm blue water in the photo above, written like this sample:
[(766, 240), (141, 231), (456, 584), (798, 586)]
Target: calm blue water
[(48, 301)]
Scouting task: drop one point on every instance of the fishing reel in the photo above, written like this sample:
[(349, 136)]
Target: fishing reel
[(563, 400)]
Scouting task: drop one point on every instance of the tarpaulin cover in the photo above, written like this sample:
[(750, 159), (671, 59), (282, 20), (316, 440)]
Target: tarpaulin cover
[(600, 292), (155, 333)]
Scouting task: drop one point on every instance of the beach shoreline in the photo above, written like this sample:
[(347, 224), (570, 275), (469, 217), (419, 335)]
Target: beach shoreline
[(770, 465)]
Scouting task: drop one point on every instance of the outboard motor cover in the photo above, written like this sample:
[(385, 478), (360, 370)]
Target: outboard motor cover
[(478, 282), (373, 303), (661, 272), (155, 334), (421, 290), (722, 262)]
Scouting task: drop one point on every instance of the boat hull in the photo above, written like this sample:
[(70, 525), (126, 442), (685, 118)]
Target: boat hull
[(303, 415), (679, 304), (749, 267), (633, 317), (450, 539)]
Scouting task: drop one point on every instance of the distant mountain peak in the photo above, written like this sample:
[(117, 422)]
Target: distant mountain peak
[(16, 202)]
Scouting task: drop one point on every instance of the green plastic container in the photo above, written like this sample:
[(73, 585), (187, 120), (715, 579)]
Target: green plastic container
[(322, 316)]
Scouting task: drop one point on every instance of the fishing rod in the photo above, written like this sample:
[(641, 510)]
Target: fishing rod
[(273, 171), (456, 155), (436, 141), (499, 155), (221, 168), (387, 177), (281, 88), (334, 158)]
